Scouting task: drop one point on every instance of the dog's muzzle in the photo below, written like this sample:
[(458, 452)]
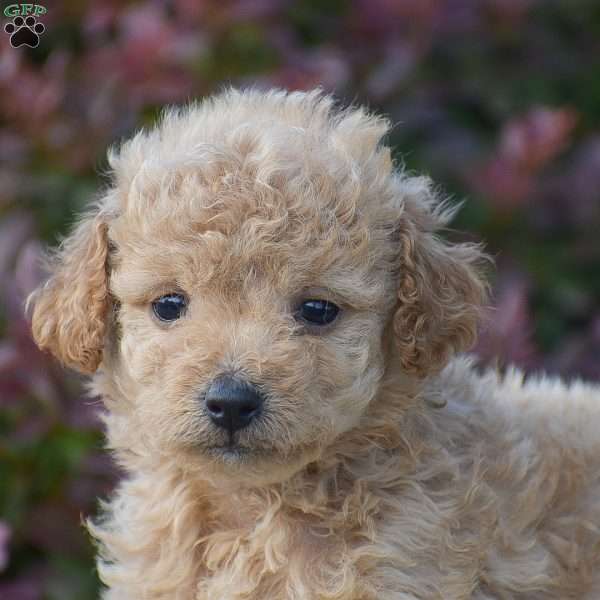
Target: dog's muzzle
[(232, 403)]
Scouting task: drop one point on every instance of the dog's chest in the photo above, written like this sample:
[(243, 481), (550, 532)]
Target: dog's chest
[(278, 555)]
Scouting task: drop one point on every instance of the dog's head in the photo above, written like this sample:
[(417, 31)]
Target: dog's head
[(255, 269)]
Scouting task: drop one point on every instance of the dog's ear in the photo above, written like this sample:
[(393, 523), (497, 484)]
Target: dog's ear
[(441, 292), (69, 311)]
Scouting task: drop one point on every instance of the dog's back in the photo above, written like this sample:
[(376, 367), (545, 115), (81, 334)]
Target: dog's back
[(524, 505)]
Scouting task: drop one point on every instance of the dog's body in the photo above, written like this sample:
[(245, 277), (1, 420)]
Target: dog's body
[(494, 495), (274, 319)]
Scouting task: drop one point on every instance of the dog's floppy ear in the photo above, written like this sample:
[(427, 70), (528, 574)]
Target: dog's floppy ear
[(441, 291), (69, 311)]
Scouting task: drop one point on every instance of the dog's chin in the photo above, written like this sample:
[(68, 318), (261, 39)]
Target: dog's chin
[(248, 466), (236, 454)]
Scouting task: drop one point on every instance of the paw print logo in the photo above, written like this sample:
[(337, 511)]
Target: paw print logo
[(24, 32)]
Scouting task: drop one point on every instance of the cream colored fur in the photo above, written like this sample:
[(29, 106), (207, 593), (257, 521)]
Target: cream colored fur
[(386, 465)]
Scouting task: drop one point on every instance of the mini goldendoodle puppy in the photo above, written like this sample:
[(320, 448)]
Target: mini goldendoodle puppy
[(272, 323)]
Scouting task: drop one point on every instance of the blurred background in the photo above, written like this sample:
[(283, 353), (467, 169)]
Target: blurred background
[(497, 100)]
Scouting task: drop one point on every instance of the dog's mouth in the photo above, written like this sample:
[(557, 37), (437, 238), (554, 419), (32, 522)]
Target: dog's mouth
[(250, 464)]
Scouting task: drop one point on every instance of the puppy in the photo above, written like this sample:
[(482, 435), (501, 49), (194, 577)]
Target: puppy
[(274, 327)]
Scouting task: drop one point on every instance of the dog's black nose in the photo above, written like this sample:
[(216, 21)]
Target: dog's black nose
[(232, 403)]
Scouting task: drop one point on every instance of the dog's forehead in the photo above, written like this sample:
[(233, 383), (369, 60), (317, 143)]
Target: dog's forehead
[(276, 204), (185, 207), (236, 231)]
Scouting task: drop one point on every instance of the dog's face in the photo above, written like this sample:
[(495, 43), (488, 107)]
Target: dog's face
[(251, 332), (238, 285)]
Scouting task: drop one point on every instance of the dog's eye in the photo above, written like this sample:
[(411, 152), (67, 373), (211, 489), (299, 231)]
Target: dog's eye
[(318, 312), (169, 307)]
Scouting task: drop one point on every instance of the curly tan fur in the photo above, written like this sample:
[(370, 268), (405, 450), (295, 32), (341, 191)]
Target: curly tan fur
[(384, 466), (69, 312), (439, 295)]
